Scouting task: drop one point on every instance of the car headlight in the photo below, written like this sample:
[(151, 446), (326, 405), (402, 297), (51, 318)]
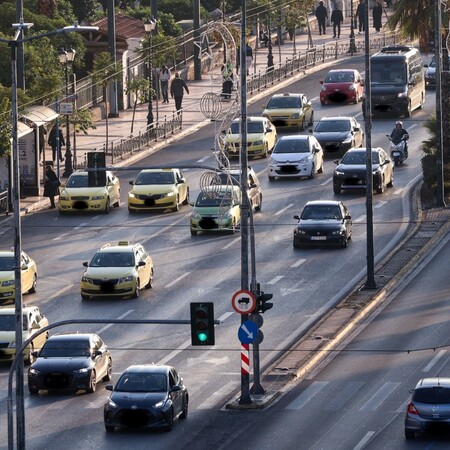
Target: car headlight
[(272, 161), (402, 95), (338, 173), (352, 87), (33, 371), (296, 116), (302, 160), (83, 370), (98, 197), (324, 88), (12, 344), (258, 142), (196, 216), (87, 280), (300, 231), (131, 195), (160, 404), (8, 283), (126, 279), (169, 194), (348, 139), (338, 232), (65, 198), (111, 404)]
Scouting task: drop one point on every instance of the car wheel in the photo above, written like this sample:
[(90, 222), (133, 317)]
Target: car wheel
[(176, 208), (233, 227), (266, 150), (193, 232), (302, 124), (185, 411), (107, 206), (320, 168), (109, 428), (344, 242), (33, 390), (34, 285), (422, 102), (391, 181), (30, 359), (296, 244), (313, 172), (84, 297), (410, 434), (271, 178), (169, 421), (131, 211), (108, 375), (186, 200), (380, 187), (336, 189), (92, 383), (137, 290), (259, 205), (408, 110), (149, 285), (117, 204), (311, 120)]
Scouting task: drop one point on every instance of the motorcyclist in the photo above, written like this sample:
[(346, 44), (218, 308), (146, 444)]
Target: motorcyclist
[(399, 133)]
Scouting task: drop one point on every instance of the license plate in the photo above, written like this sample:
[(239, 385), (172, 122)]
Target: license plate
[(318, 238)]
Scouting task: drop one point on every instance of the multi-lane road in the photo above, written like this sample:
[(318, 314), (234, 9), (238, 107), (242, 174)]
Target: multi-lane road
[(207, 268)]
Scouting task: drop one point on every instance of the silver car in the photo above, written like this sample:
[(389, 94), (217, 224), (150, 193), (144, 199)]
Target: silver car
[(429, 406)]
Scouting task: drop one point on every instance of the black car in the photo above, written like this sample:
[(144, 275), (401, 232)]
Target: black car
[(338, 133), (70, 362), (323, 222), (350, 173), (146, 396)]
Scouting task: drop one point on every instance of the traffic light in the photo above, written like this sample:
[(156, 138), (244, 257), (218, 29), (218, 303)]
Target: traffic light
[(96, 160), (202, 323), (262, 299)]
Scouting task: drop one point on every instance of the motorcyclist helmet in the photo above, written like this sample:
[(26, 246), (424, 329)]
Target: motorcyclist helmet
[(399, 123)]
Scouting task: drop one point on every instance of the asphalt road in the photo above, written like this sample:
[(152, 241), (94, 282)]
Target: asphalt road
[(204, 268)]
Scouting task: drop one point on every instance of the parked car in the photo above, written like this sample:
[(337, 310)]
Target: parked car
[(261, 137), (289, 111), (117, 270), (296, 156), (342, 86), (339, 133), (70, 361), (158, 189), (233, 177), (350, 173), (323, 222), (76, 195), (33, 320), (146, 396), (28, 271), (429, 407)]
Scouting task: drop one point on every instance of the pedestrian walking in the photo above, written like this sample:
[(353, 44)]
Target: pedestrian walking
[(321, 15), (377, 14), (360, 15), (42, 133), (248, 57), (177, 88), (227, 77), (53, 139), (51, 185), (336, 19), (164, 77)]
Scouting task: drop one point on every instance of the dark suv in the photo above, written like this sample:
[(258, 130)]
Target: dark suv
[(429, 407)]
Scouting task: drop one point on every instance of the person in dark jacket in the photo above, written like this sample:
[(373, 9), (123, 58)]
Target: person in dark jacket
[(51, 185), (336, 19), (360, 15), (53, 142), (377, 13), (321, 15), (177, 88)]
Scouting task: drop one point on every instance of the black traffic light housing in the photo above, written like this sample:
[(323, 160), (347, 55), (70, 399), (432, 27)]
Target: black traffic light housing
[(262, 304), (202, 323), (96, 160)]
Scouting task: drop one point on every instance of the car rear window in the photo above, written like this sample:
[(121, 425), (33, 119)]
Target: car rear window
[(359, 158), (333, 125), (339, 77), (433, 395), (155, 178), (252, 127), (77, 181), (292, 146), (284, 102)]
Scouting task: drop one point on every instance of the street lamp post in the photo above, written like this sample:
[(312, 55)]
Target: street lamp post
[(352, 48), (150, 26), (66, 58), (270, 53)]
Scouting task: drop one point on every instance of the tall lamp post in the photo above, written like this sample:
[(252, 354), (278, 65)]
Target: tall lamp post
[(66, 58), (150, 26), (352, 48)]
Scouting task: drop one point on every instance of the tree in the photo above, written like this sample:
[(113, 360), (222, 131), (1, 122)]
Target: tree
[(137, 88)]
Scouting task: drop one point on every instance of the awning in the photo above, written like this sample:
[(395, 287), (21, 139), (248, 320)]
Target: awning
[(38, 115), (23, 129)]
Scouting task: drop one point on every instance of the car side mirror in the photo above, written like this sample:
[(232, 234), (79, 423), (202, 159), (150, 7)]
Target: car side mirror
[(336, 161), (269, 130), (109, 387), (35, 353), (296, 217), (24, 266), (190, 203), (141, 263), (85, 264), (361, 82), (35, 326), (131, 182), (263, 106), (97, 353), (348, 217), (356, 129), (321, 81), (175, 388)]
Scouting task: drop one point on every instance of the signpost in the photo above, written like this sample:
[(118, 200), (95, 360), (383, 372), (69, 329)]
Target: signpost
[(248, 332), (243, 301)]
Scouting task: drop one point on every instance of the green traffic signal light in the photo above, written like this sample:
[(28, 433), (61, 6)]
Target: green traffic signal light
[(202, 323)]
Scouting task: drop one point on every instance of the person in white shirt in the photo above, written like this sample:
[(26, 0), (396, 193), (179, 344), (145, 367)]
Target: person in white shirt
[(164, 77)]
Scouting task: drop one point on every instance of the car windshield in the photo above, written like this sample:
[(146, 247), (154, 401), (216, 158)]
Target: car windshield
[(359, 158), (321, 212), (434, 395), (78, 181), (388, 73), (285, 102), (333, 126), (225, 179), (340, 77), (63, 348), (155, 178), (8, 322), (252, 127), (292, 146), (7, 263), (142, 382), (112, 259), (213, 199)]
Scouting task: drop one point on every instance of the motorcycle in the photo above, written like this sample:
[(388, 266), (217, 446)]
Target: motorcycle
[(398, 153)]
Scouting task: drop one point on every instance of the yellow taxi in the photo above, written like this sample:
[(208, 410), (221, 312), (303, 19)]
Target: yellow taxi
[(117, 270), (289, 111), (261, 137), (33, 321), (77, 196), (217, 208), (28, 270), (158, 189)]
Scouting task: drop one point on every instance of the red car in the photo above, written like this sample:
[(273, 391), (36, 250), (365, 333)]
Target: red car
[(341, 86)]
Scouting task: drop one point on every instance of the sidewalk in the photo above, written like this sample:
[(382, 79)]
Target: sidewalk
[(193, 118)]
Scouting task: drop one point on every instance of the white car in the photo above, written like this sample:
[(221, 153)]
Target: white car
[(296, 156)]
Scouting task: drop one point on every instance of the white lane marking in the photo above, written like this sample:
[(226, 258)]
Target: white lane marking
[(403, 406), (360, 218), (174, 353), (314, 99), (412, 126), (166, 228), (307, 395), (380, 396), (437, 357), (234, 241), (217, 396), (111, 324), (82, 225), (380, 204), (276, 279), (298, 263), (327, 181), (225, 316), (281, 211), (177, 279), (203, 159), (61, 236), (398, 191), (364, 440)]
